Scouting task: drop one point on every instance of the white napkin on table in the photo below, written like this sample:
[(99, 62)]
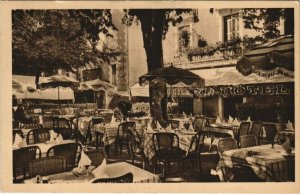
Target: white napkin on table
[(249, 119), (184, 115), (169, 128), (149, 126), (290, 126), (181, 126), (18, 141), (218, 120), (113, 119), (53, 136), (158, 126), (191, 128), (286, 146), (100, 171), (230, 120), (235, 121), (84, 161), (41, 120), (59, 139)]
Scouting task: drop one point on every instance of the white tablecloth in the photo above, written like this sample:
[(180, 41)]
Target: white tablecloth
[(270, 163), (113, 170)]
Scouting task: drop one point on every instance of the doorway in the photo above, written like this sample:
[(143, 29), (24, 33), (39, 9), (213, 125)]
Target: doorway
[(230, 105)]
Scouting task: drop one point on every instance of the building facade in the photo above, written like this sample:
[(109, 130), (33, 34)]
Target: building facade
[(191, 45)]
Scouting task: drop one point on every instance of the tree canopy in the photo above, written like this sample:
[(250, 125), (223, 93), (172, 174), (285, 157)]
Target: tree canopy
[(46, 40), (270, 18)]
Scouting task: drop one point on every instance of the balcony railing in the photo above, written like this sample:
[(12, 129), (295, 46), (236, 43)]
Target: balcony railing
[(205, 55)]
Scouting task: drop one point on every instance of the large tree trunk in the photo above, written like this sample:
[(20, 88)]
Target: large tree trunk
[(37, 77), (152, 23)]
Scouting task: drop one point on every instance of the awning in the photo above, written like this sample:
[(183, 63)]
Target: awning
[(177, 90), (271, 58), (96, 85), (47, 94), (231, 76), (228, 81)]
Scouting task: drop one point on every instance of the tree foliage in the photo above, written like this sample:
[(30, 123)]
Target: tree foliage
[(46, 40), (270, 19)]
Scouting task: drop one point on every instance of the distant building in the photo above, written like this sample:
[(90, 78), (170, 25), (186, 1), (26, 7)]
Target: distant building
[(124, 70)]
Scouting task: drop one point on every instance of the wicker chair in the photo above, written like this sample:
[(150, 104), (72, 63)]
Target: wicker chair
[(35, 136), (96, 156), (194, 152), (64, 127), (62, 123), (126, 178), (137, 150), (225, 144), (174, 124), (256, 130), (248, 141), (271, 132), (47, 166), (166, 146), (21, 159), (91, 133), (199, 123), (243, 130), (124, 136), (70, 152)]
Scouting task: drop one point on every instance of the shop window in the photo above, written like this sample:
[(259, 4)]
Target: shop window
[(231, 27)]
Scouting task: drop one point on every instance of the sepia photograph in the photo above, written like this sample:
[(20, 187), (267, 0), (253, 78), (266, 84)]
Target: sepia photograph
[(162, 95)]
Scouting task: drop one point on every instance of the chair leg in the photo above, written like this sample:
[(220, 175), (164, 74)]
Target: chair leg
[(106, 147), (121, 148), (116, 149), (97, 141), (200, 166), (163, 172), (155, 166), (128, 149)]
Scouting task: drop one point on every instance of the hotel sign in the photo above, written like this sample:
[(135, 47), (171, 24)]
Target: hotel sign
[(179, 92), (246, 90)]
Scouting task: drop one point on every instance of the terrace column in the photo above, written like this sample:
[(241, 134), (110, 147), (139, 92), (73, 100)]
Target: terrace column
[(220, 107)]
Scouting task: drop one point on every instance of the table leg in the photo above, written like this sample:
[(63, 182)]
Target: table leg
[(97, 140), (106, 147)]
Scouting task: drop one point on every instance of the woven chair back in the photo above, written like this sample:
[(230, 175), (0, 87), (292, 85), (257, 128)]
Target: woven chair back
[(39, 135), (96, 156), (226, 144), (256, 129), (47, 166), (200, 123), (70, 152), (248, 141)]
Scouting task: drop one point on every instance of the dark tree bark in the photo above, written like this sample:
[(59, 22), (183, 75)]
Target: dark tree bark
[(152, 24)]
